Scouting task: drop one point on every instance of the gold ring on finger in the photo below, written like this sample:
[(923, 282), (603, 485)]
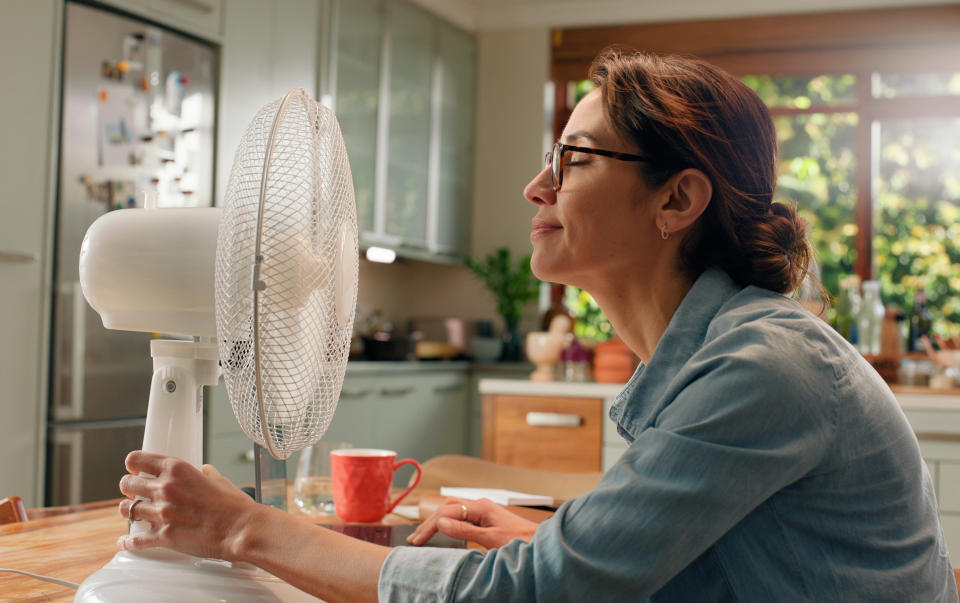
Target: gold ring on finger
[(463, 512)]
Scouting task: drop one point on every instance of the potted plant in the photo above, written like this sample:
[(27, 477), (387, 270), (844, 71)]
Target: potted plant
[(513, 285)]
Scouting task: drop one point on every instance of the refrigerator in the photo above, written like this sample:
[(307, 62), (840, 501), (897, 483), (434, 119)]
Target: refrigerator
[(138, 114)]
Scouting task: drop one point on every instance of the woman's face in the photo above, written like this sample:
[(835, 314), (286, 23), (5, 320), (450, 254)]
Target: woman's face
[(600, 226)]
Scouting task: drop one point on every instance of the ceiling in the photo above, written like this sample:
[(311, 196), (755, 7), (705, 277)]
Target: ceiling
[(480, 15)]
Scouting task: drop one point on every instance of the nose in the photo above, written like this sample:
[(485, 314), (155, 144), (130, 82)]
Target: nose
[(539, 191)]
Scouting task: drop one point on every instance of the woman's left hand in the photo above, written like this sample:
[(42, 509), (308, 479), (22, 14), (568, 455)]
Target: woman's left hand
[(196, 512), (481, 521)]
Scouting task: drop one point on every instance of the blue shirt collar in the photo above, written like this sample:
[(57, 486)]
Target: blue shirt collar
[(684, 335)]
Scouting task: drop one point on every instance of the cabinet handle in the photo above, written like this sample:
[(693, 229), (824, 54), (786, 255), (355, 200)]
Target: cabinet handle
[(396, 391), (247, 456), (354, 393), (441, 389), (14, 257), (198, 5), (553, 419)]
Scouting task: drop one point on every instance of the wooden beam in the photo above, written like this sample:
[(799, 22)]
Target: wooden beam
[(836, 30), (902, 59)]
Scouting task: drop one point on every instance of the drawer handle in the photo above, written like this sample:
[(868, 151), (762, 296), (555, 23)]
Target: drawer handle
[(553, 419), (396, 391), (448, 388), (247, 456), (354, 393), (12, 257)]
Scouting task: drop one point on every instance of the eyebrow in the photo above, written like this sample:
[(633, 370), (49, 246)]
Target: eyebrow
[(580, 134)]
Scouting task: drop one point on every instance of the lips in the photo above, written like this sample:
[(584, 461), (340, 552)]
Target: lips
[(542, 228)]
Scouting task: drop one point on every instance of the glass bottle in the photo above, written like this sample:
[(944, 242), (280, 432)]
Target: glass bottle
[(870, 320), (919, 322), (848, 305), (556, 308)]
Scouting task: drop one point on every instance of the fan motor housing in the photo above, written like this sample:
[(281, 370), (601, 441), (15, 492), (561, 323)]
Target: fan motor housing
[(152, 270)]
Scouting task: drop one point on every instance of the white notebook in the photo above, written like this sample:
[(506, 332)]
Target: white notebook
[(503, 497)]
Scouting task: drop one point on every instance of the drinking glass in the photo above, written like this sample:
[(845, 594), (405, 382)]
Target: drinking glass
[(312, 487)]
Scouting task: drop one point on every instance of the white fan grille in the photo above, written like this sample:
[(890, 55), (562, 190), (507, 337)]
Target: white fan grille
[(307, 207)]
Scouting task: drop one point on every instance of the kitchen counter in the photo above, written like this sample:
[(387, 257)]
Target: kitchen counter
[(525, 387), (369, 367), (910, 397)]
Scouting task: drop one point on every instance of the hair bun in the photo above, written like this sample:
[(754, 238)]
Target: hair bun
[(777, 249)]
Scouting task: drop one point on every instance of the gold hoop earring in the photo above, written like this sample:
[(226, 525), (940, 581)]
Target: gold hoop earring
[(663, 232)]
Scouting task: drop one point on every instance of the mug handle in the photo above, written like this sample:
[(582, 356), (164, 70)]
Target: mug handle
[(415, 481)]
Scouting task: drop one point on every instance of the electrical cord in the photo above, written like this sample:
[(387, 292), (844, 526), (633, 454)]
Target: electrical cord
[(39, 577)]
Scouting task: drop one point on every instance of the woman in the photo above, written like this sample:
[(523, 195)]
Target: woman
[(767, 460)]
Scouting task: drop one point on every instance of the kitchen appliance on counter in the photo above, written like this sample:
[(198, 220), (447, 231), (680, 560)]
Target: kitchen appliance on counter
[(138, 112)]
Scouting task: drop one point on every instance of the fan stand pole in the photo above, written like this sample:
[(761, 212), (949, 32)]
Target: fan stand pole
[(271, 478)]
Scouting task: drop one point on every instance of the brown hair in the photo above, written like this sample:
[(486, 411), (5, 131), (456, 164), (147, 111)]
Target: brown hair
[(686, 113)]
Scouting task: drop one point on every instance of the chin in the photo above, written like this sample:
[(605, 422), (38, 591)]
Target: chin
[(549, 269)]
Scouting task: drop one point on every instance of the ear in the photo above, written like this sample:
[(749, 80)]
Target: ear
[(688, 194)]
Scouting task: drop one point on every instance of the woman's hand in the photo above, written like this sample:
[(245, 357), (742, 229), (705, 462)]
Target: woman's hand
[(481, 521), (195, 512)]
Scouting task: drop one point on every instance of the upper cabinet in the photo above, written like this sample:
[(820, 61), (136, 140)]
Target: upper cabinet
[(402, 83)]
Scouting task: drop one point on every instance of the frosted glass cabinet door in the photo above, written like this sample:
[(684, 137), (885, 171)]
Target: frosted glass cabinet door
[(357, 85), (411, 50), (455, 179)]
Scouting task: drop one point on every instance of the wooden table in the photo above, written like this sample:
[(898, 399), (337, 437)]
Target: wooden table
[(71, 546), (80, 540)]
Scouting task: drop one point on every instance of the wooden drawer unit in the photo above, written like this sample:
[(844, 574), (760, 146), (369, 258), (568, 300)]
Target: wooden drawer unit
[(542, 432)]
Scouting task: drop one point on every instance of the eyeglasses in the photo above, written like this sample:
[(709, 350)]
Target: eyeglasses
[(554, 159)]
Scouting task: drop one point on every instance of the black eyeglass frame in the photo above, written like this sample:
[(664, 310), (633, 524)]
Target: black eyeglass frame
[(554, 159)]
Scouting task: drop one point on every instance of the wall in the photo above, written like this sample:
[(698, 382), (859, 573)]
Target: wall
[(29, 64)]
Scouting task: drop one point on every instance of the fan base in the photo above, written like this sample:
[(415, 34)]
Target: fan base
[(162, 575)]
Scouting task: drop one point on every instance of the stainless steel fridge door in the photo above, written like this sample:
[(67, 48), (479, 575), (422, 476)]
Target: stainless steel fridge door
[(88, 459), (138, 114)]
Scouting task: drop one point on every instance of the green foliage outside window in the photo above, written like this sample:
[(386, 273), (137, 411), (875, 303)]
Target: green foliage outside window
[(591, 322), (917, 216), (916, 185)]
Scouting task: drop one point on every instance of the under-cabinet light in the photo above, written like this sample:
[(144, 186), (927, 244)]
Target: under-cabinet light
[(381, 254)]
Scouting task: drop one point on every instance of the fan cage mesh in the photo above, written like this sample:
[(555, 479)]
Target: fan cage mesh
[(307, 203)]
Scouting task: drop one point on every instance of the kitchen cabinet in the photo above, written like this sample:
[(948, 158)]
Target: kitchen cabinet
[(418, 412), (554, 426), (935, 419), (354, 71), (543, 432), (478, 373), (402, 83)]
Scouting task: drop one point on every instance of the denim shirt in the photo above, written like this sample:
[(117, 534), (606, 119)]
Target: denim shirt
[(767, 461)]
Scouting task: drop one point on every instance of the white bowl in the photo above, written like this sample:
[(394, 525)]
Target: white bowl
[(485, 349)]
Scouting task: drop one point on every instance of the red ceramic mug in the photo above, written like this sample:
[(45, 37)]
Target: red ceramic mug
[(361, 482)]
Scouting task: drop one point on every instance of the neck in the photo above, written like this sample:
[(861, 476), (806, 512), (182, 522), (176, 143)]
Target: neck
[(641, 308)]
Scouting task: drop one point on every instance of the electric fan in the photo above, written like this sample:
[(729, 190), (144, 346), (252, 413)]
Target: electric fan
[(273, 277)]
